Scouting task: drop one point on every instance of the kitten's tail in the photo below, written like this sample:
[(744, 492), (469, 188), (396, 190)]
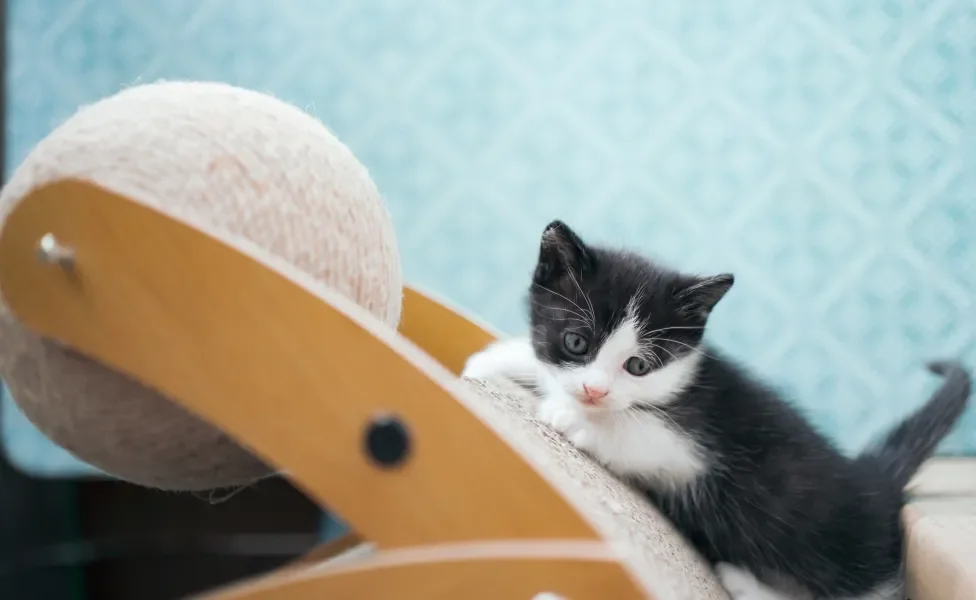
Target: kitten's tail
[(914, 440)]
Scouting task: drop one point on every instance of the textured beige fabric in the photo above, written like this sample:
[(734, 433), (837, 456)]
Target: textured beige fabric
[(945, 476), (941, 548), (662, 560), (231, 161)]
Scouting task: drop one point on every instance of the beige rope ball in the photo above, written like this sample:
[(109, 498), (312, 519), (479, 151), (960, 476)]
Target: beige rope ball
[(227, 160)]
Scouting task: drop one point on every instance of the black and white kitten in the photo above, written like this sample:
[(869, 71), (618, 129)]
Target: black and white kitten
[(616, 354)]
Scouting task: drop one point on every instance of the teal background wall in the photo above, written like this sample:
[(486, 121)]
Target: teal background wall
[(823, 150)]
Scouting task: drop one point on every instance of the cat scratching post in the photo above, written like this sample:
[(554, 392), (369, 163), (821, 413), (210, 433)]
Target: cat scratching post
[(388, 451), (410, 456), (200, 288)]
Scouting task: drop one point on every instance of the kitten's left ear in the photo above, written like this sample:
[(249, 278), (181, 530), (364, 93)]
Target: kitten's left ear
[(702, 294), (561, 250)]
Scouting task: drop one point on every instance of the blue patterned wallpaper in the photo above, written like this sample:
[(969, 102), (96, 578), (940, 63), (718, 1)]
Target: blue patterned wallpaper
[(823, 150)]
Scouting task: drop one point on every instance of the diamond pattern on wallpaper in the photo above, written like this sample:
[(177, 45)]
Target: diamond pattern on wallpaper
[(807, 370), (555, 159), (646, 219), (329, 96), (875, 27), (474, 90), (804, 235), (624, 63), (92, 53), (881, 293), (929, 68), (437, 258), (247, 64), (392, 37), (943, 235), (821, 149), (717, 139), (900, 153), (407, 177), (797, 74), (702, 35), (546, 37)]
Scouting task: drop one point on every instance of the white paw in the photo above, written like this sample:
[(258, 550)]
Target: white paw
[(558, 415), (568, 420), (481, 366), (743, 585), (580, 437), (511, 359)]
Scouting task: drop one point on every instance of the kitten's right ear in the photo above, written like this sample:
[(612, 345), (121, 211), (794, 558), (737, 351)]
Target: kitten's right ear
[(561, 250), (701, 294)]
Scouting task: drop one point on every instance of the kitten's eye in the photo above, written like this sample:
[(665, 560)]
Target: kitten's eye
[(637, 366), (575, 343)]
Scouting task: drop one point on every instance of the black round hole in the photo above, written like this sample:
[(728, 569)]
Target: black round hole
[(387, 441)]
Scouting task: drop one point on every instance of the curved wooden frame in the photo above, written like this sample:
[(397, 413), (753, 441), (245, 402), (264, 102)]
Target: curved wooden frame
[(131, 303), (486, 570), (443, 331)]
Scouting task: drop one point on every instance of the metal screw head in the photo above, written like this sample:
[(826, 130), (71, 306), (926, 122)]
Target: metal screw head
[(50, 251)]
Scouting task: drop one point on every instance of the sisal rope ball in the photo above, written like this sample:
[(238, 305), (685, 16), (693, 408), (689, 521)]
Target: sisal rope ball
[(226, 160)]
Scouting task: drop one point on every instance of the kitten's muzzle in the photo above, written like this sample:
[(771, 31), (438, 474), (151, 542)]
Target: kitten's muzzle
[(592, 395)]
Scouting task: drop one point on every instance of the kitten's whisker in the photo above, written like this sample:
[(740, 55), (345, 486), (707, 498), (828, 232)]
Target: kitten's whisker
[(675, 327), (664, 349), (562, 308), (582, 310), (567, 311), (575, 319), (520, 379), (555, 293), (650, 354), (689, 346), (639, 294), (652, 357), (625, 416), (585, 297), (662, 413), (583, 323)]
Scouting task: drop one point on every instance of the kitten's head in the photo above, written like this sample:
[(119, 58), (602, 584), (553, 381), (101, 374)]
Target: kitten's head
[(616, 330)]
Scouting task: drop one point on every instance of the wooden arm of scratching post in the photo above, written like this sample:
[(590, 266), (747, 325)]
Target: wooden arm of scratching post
[(443, 332), (297, 374)]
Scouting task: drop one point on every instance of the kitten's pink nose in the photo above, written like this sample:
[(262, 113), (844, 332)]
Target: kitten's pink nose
[(592, 393)]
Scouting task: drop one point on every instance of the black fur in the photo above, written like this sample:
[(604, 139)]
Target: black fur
[(778, 498), (906, 447)]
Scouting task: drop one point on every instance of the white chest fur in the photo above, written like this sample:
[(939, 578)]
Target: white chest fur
[(629, 442)]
